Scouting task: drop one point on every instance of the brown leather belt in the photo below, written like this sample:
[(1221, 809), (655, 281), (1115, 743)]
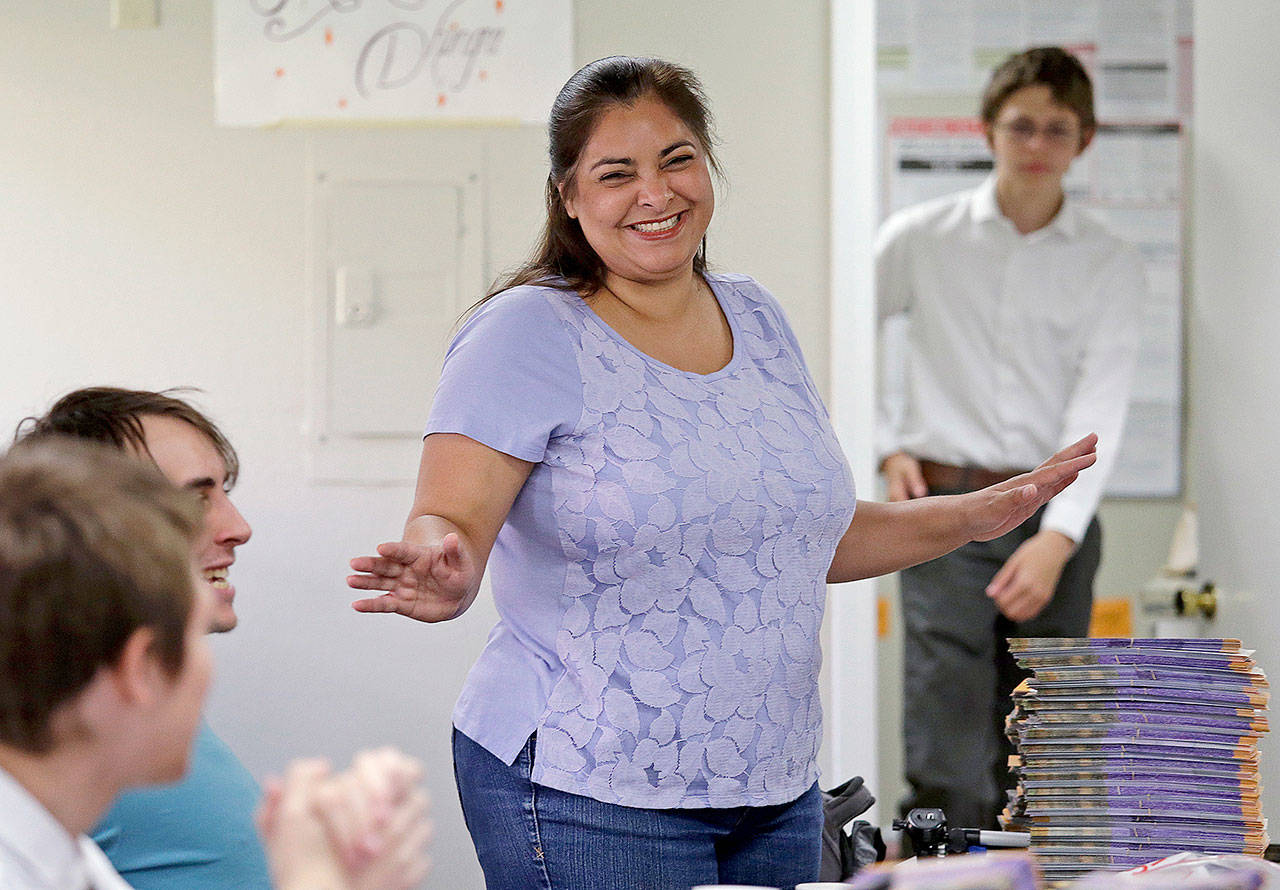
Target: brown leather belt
[(945, 476)]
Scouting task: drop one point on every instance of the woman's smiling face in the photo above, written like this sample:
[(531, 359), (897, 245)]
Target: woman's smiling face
[(641, 191)]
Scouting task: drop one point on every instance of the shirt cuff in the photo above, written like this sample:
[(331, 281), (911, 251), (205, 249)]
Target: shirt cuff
[(1066, 518), (887, 443)]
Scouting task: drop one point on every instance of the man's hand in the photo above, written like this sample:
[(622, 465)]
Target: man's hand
[(902, 476), (1025, 583), (376, 817), (363, 829), (298, 849)]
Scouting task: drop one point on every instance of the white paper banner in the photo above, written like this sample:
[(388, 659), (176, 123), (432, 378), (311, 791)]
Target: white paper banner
[(363, 60)]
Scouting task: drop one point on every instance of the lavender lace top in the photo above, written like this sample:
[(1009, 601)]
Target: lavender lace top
[(660, 579)]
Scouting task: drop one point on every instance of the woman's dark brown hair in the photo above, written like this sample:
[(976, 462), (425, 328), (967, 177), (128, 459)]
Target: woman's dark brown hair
[(562, 253)]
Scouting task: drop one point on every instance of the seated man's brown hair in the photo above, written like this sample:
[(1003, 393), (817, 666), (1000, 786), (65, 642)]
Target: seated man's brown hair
[(93, 546)]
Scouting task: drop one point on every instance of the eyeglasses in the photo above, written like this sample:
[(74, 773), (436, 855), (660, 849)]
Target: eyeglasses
[(1024, 131)]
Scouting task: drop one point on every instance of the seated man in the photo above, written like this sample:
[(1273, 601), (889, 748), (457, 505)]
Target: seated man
[(103, 672), (200, 833), (103, 661)]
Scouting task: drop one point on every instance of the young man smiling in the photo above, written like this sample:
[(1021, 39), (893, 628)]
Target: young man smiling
[(1022, 316), (200, 832), (361, 829), (104, 668)]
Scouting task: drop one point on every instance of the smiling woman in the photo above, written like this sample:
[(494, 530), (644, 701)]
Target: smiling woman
[(635, 445), (643, 195)]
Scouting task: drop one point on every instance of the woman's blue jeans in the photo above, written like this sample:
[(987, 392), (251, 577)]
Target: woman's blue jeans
[(530, 837)]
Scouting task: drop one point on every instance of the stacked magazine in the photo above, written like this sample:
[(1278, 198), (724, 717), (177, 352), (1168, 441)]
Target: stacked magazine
[(1130, 750)]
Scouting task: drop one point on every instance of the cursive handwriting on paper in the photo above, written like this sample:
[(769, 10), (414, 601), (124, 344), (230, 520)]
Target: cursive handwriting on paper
[(400, 53)]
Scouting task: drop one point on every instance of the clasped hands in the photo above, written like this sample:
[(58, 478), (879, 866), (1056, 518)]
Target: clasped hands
[(363, 829)]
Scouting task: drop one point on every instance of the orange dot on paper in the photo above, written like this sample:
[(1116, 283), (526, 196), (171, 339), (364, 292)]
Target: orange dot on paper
[(484, 75), (453, 26), (498, 4), (328, 36), (279, 72), (441, 99), (342, 103)]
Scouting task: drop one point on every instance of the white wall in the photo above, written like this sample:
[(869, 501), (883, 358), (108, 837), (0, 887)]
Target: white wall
[(1235, 325), (855, 727), (142, 246)]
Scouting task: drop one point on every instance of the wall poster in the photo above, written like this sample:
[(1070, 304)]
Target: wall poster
[(447, 61)]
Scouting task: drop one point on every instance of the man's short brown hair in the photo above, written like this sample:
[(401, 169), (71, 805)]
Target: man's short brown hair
[(1049, 66), (93, 546), (114, 417)]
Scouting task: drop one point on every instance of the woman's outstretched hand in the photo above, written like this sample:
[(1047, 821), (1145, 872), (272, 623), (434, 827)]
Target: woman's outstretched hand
[(1003, 507), (884, 538), (428, 582)]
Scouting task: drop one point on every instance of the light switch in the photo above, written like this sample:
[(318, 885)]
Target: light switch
[(131, 14), (353, 298)]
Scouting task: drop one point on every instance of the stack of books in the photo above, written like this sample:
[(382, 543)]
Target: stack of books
[(1130, 750)]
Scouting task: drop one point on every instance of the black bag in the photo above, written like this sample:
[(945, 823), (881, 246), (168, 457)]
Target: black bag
[(843, 853)]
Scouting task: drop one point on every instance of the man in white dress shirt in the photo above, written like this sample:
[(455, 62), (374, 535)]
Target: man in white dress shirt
[(103, 660), (1021, 316)]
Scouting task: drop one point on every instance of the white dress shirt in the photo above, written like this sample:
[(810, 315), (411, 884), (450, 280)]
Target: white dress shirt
[(1015, 345), (37, 853)]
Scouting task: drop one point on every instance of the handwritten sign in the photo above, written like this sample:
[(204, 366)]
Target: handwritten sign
[(368, 60)]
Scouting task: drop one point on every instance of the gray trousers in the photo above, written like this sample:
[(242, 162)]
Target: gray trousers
[(958, 673)]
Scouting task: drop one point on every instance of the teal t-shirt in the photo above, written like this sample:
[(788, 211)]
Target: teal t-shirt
[(196, 834)]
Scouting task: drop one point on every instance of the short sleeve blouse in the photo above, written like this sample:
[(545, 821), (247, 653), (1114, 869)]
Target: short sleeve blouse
[(661, 577)]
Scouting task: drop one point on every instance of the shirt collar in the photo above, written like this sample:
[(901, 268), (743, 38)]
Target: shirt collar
[(1067, 222), (32, 837), (101, 873), (984, 208)]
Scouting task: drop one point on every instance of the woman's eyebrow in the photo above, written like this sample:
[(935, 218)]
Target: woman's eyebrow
[(606, 161), (675, 146)]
